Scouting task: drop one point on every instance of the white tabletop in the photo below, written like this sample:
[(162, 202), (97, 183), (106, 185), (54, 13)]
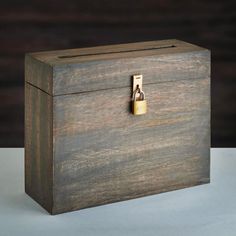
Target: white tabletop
[(208, 209)]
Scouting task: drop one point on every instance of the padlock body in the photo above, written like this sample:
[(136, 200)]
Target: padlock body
[(139, 107)]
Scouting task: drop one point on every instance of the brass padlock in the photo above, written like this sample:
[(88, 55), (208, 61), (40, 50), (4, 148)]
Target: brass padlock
[(139, 105)]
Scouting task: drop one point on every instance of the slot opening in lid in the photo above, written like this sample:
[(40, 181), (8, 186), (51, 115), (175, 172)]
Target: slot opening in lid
[(115, 51)]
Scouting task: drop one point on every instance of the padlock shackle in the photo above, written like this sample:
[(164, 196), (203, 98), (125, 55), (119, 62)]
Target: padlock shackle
[(138, 90)]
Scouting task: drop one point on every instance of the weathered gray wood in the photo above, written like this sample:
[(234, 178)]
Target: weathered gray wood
[(38, 146), (83, 145), (104, 154), (38, 74), (115, 51), (96, 75), (113, 70)]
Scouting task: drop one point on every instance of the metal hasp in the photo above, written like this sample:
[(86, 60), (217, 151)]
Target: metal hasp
[(139, 103), (137, 82)]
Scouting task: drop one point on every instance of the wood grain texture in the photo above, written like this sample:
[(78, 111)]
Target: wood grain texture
[(108, 52), (38, 73), (116, 73), (104, 154), (38, 146), (85, 147), (107, 67)]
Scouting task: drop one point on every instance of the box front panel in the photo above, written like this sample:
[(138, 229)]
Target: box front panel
[(103, 153)]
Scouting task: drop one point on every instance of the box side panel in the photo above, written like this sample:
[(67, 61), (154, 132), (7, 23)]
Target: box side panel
[(38, 73), (38, 146), (105, 154)]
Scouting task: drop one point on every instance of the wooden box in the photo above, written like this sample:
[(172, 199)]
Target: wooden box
[(83, 145)]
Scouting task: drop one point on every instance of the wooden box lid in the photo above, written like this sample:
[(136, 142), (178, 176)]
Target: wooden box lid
[(105, 67)]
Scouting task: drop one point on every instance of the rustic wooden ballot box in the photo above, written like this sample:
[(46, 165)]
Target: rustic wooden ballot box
[(84, 143)]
